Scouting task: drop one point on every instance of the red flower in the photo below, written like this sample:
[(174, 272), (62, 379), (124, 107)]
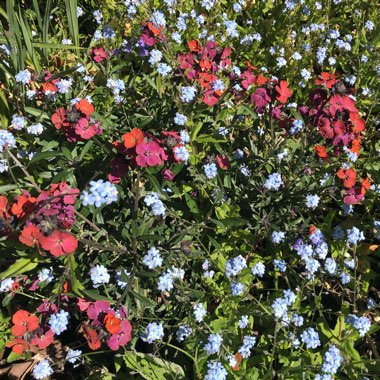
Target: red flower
[(149, 154), (18, 345), (131, 139), (210, 98), (283, 92), (327, 79), (85, 107), (99, 55), (4, 207), (44, 340), (59, 243), (59, 119), (30, 236), (23, 322)]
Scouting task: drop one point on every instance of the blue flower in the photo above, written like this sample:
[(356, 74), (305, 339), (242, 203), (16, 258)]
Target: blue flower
[(354, 235), (180, 119), (23, 77), (243, 322), (99, 275), (183, 332), (188, 93), (311, 338), (280, 308), (215, 370), (199, 312), (42, 370), (278, 237), (312, 201), (237, 288), (259, 269), (7, 140), (280, 265), (362, 324), (214, 343), (100, 193), (153, 258), (273, 182), (73, 355), (155, 57), (235, 265), (153, 331), (248, 343), (211, 170), (332, 360)]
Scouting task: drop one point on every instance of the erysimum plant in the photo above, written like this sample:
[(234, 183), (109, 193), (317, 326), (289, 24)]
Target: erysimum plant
[(189, 190)]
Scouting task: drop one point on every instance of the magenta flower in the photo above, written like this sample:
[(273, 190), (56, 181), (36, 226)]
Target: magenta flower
[(149, 154), (260, 98)]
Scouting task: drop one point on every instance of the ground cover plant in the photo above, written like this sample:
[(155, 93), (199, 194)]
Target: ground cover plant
[(189, 189)]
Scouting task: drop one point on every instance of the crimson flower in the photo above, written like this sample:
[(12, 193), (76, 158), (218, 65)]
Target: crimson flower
[(59, 243), (44, 340), (223, 162), (24, 322)]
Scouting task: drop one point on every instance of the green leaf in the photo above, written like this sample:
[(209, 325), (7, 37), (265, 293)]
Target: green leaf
[(25, 264), (153, 368)]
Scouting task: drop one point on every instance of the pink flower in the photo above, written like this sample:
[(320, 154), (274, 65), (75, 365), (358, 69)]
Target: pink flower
[(149, 154), (168, 175), (97, 308), (99, 55), (84, 129)]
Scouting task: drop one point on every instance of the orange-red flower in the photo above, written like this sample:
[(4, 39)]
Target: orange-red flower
[(85, 107), (194, 46), (92, 338), (25, 205), (131, 139), (283, 91), (18, 345), (321, 151), (30, 236), (23, 322), (348, 176), (112, 323), (326, 79)]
